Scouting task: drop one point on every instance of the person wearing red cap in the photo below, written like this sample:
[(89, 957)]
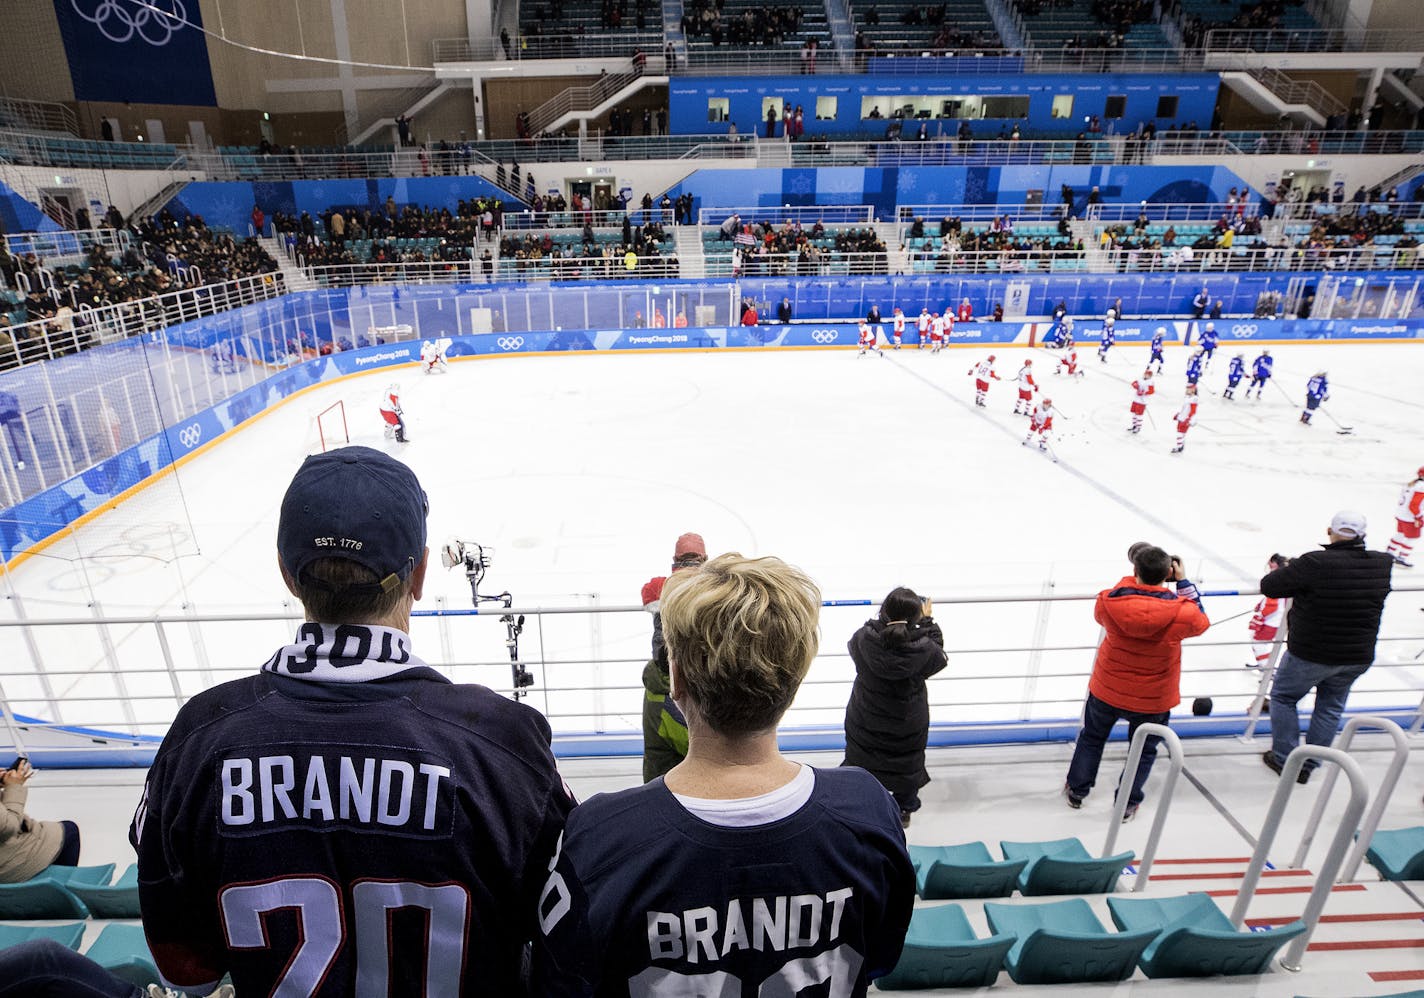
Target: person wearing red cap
[(664, 727)]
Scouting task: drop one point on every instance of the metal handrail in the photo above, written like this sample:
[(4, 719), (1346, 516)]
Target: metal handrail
[(40, 114), (1176, 761), (575, 99), (1315, 40), (557, 45), (1325, 877), (848, 214), (1381, 798)]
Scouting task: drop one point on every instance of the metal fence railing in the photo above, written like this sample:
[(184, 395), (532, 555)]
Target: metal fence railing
[(41, 115), (586, 671), (68, 244), (1316, 40), (555, 45)]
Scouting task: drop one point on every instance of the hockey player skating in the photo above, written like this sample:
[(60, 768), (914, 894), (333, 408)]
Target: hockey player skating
[(224, 361), (1234, 374), (898, 326), (1027, 386), (1266, 620), (1039, 423), (1408, 520), (1208, 342), (1141, 389), (983, 373), (868, 340), (392, 413), (1195, 364), (1317, 390), (923, 325), (432, 356), (1186, 416), (1106, 340), (1260, 373), (1069, 359), (1157, 339)]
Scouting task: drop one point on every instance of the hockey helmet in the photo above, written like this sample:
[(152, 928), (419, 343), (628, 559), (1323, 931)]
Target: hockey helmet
[(1109, 320), (1265, 353), (1211, 327), (1112, 313), (1191, 389), (1147, 373), (1162, 330), (1028, 363), (991, 357), (1420, 472), (1047, 402)]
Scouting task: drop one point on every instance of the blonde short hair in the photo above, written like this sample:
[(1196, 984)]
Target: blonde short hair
[(742, 633)]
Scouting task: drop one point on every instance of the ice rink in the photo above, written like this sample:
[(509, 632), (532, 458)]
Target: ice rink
[(868, 472)]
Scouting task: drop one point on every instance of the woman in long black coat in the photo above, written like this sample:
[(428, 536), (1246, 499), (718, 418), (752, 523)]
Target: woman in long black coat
[(888, 717)]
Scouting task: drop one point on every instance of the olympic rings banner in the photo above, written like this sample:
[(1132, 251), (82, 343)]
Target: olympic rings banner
[(146, 51)]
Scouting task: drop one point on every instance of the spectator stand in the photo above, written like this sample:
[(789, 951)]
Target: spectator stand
[(954, 27), (1093, 24), (1265, 26), (549, 29), (760, 28), (49, 149)]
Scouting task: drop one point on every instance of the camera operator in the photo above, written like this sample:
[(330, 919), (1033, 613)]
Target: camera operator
[(28, 846), (664, 727)]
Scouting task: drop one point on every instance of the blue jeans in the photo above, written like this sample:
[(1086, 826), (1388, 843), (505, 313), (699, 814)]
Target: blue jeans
[(1295, 677), (43, 968), (1098, 720)]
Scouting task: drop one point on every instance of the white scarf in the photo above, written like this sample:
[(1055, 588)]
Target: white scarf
[(344, 653)]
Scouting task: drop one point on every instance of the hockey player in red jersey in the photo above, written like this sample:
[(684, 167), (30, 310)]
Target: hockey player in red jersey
[(1408, 519), (936, 333), (923, 325), (1141, 388), (1069, 358), (1027, 387), (393, 415), (947, 324), (1040, 422), (983, 372), (867, 339), (1186, 416), (899, 326), (1266, 621)]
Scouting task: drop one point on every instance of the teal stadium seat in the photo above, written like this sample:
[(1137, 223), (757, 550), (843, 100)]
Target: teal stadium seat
[(941, 951), (963, 871), (123, 951), (1064, 943), (1195, 939), (1064, 866), (66, 935), (48, 895), (1398, 854), (116, 900)]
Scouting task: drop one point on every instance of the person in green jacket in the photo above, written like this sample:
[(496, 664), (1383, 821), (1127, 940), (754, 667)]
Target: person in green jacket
[(664, 727)]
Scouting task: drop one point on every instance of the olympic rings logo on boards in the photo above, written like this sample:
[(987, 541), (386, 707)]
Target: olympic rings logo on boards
[(120, 20), (190, 435), (510, 342), (825, 335), (1244, 329)]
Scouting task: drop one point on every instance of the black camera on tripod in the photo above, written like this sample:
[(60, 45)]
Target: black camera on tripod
[(475, 559)]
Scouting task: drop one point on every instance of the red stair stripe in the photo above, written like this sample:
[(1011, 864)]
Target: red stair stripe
[(1379, 916), (1368, 944), (1381, 976), (1283, 890), (1239, 875), (1224, 859)]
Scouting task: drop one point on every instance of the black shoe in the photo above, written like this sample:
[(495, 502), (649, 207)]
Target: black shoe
[(905, 819), (1130, 813), (1074, 801), (1269, 758)]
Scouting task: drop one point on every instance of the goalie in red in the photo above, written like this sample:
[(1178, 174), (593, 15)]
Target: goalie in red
[(393, 415)]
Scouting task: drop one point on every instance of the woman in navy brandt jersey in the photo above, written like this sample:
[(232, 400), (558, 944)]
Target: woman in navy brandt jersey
[(740, 872)]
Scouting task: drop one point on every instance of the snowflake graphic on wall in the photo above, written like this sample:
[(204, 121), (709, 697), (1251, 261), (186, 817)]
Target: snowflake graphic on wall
[(801, 185)]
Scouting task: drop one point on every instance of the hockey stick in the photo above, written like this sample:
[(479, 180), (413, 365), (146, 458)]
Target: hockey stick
[(1342, 429)]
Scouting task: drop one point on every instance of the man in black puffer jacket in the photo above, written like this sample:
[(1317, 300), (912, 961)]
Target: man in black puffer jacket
[(1338, 595)]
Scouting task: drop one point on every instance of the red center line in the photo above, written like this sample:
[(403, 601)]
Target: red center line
[(1237, 875), (1379, 916), (1284, 890), (1368, 944)]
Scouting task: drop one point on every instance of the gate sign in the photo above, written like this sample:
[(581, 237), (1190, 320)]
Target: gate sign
[(149, 51)]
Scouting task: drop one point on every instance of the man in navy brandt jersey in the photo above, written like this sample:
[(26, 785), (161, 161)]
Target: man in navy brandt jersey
[(346, 821), (740, 873)]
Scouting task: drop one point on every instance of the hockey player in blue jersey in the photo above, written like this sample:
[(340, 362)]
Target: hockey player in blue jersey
[(1194, 366), (347, 795), (1208, 342), (1234, 374), (739, 872), (1260, 373), (1105, 342), (1317, 390), (1157, 337)]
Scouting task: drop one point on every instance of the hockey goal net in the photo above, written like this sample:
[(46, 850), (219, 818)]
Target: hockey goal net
[(331, 426)]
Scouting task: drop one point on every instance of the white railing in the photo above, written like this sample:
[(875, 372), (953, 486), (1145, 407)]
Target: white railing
[(1319, 40), (1051, 210), (63, 667), (555, 45), (44, 116), (63, 245), (808, 215)]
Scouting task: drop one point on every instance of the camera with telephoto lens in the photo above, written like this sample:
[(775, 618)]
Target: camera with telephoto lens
[(475, 559)]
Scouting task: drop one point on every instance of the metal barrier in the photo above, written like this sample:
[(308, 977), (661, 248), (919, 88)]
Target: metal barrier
[(1176, 760), (1382, 796), (1334, 857), (123, 677)]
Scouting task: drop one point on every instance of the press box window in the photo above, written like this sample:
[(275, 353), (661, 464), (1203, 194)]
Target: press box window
[(1005, 107), (826, 108), (773, 104), (718, 108), (1167, 107), (1063, 106), (1116, 106), (875, 107)]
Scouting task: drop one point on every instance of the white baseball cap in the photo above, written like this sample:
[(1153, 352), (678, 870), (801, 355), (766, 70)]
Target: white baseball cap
[(1348, 523)]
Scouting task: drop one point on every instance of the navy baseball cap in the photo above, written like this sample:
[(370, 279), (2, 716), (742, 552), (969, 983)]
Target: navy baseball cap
[(355, 503)]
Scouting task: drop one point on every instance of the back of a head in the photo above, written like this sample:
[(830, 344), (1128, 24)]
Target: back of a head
[(1152, 565), (741, 634), (899, 612)]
